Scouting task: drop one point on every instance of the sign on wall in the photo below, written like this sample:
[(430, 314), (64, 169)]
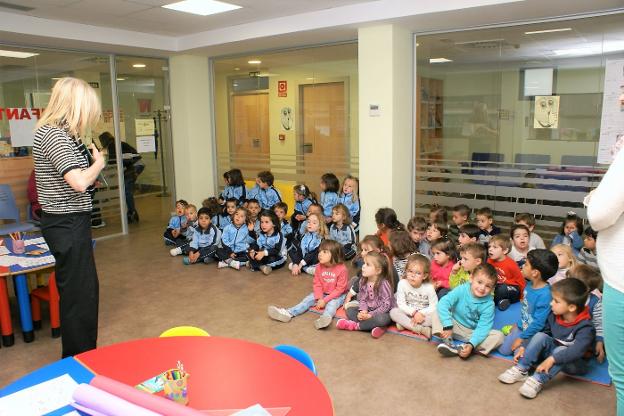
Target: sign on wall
[(282, 88), (22, 122), (546, 115), (612, 120)]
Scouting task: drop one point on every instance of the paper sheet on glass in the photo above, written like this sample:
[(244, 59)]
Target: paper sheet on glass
[(22, 131), (146, 144), (39, 399), (612, 120), (144, 126)]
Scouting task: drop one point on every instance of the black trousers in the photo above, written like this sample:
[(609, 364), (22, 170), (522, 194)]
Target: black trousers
[(382, 320), (503, 291), (69, 239)]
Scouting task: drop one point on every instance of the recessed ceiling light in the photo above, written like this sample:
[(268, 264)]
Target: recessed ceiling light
[(15, 54), (121, 79), (138, 65), (535, 32), (254, 62), (201, 7), (439, 60), (236, 69)]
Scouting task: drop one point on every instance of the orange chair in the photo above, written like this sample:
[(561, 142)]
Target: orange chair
[(49, 294)]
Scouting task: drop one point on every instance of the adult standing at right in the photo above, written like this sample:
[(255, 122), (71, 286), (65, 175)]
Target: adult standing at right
[(605, 211), (65, 174)]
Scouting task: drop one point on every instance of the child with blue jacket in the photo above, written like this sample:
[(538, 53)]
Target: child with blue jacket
[(304, 253), (281, 209), (303, 199), (234, 242), (570, 233), (191, 221), (205, 240), (350, 198), (329, 194), (342, 231), (267, 194), (267, 252), (223, 219), (234, 187), (562, 345), (174, 234), (466, 313), (540, 266)]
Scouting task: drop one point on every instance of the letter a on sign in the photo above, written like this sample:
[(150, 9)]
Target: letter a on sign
[(282, 88)]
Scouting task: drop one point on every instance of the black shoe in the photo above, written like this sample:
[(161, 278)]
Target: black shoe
[(503, 304), (135, 216)]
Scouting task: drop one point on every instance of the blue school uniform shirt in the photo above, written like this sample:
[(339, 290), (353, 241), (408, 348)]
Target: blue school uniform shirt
[(272, 244), (205, 238), (534, 310), (310, 242), (301, 207), (574, 240), (286, 229), (221, 220), (328, 201), (238, 192), (235, 238), (177, 221), (253, 193), (344, 235), (268, 197), (190, 229), (353, 207), (470, 311)]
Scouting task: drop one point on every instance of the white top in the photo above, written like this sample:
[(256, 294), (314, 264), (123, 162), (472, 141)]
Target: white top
[(411, 299), (605, 206)]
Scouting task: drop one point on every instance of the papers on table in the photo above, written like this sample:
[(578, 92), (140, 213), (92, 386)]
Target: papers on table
[(4, 251), (26, 261), (34, 241), (39, 399)]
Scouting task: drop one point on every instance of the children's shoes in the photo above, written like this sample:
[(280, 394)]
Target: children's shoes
[(347, 325), (323, 322), (513, 375), (447, 349), (531, 388), (175, 251), (378, 332), (186, 261), (235, 264), (222, 265), (279, 314)]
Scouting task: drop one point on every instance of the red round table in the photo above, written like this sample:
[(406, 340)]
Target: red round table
[(224, 373)]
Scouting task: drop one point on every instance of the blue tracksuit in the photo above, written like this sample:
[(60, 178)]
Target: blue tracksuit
[(353, 207), (234, 240), (287, 232), (176, 222), (301, 207), (237, 192), (574, 240), (273, 246), (344, 235), (307, 249), (328, 201), (254, 193), (205, 241), (222, 220), (268, 197)]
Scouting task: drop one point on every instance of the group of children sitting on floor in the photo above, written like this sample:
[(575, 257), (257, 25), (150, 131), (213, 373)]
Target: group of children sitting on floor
[(431, 278)]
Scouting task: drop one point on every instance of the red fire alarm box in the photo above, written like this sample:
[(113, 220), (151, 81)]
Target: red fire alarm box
[(282, 137)]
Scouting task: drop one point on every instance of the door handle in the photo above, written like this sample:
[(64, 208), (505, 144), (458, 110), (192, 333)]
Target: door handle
[(307, 148)]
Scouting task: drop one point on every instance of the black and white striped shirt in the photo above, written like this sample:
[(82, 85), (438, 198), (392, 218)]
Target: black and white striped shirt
[(55, 153)]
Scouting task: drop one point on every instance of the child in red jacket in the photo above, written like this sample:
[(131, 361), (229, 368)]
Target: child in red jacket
[(510, 283)]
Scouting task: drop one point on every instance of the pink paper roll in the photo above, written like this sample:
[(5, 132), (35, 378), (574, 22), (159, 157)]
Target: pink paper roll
[(103, 403), (148, 401)]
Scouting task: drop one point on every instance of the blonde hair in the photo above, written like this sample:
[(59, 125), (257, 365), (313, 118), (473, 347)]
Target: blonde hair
[(73, 102), (355, 196), (322, 231), (568, 250)]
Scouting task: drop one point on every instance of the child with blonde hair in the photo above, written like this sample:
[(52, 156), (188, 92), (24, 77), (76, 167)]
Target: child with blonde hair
[(471, 255), (329, 288), (567, 260), (349, 197), (375, 298), (304, 253), (342, 230), (416, 297)]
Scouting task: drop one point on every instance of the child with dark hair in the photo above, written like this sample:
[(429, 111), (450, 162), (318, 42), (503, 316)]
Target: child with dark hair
[(206, 236), (191, 224), (174, 234), (461, 216), (303, 199), (330, 185), (593, 280), (329, 288), (436, 231), (417, 228), (570, 233), (511, 283), (387, 221), (520, 239), (253, 221), (471, 255), (438, 214), (468, 233), (587, 254), (267, 253), (541, 265), (224, 218), (562, 345), (485, 222), (528, 220), (267, 194), (234, 187), (467, 314), (234, 242), (443, 259), (281, 209), (400, 247), (342, 231)]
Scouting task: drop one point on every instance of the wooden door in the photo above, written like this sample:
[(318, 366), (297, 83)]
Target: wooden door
[(249, 138), (324, 144)]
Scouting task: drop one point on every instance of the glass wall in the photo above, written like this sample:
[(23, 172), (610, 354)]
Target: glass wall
[(293, 112), (510, 117)]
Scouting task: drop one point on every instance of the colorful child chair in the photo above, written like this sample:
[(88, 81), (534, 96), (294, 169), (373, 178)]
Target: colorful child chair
[(48, 294), (184, 331), (298, 354)]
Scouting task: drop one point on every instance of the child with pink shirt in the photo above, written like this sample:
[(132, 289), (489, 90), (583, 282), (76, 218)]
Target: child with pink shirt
[(442, 262)]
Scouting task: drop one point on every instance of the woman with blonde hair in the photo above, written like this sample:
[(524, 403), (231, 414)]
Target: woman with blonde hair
[(65, 174)]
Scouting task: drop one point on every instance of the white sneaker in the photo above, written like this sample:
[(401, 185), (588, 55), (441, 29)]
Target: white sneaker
[(352, 304), (310, 270), (530, 388), (323, 322), (513, 375), (222, 265), (266, 270), (279, 314), (235, 264), (175, 251)]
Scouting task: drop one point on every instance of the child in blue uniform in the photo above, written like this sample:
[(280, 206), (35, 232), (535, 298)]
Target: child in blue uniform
[(205, 239), (174, 234), (234, 242), (234, 187), (329, 194), (267, 253)]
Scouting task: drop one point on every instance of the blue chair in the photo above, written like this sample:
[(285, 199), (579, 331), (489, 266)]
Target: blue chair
[(531, 159), (10, 211), (298, 354)]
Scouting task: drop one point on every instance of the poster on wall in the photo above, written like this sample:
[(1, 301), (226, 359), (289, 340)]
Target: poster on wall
[(22, 122), (146, 144), (282, 88), (286, 117), (107, 124), (612, 120), (546, 114)]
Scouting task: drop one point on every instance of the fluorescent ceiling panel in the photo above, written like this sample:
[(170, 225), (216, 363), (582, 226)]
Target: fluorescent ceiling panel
[(201, 7), (16, 54)]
